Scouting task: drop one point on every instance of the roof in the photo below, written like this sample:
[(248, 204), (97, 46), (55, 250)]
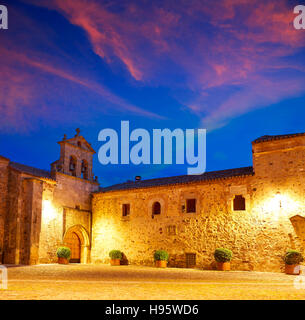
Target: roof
[(31, 170), (277, 137), (4, 158), (222, 174)]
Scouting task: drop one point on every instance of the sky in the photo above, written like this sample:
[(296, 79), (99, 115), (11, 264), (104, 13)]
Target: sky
[(233, 67)]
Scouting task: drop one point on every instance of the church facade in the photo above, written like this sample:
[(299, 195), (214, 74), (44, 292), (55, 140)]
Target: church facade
[(42, 210), (258, 212)]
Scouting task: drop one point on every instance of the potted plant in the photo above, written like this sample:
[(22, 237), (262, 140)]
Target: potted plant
[(161, 258), (292, 260), (223, 257), (115, 257), (63, 254)]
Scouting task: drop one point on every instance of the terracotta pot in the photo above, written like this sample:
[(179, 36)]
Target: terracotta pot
[(63, 261), (223, 266), (115, 262), (161, 263), (292, 269)]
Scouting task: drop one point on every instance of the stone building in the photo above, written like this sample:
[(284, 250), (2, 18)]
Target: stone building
[(41, 210), (258, 212)]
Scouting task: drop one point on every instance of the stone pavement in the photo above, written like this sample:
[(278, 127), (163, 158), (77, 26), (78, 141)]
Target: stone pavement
[(77, 281)]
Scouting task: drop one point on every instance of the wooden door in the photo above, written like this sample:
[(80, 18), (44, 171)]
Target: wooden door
[(73, 242)]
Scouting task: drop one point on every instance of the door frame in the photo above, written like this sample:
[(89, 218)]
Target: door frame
[(83, 235)]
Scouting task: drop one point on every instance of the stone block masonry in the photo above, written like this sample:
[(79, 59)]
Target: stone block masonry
[(272, 222)]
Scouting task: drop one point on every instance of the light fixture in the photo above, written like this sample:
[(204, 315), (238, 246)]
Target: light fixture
[(48, 211), (279, 199)]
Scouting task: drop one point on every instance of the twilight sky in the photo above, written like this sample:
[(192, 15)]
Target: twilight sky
[(235, 67)]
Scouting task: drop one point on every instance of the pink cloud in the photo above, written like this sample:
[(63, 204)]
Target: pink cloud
[(214, 45), (232, 55), (25, 86)]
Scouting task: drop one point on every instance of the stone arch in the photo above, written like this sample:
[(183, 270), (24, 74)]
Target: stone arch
[(84, 169), (83, 235), (73, 165), (151, 203)]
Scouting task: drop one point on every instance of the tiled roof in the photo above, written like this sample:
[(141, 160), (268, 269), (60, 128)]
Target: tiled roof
[(31, 170), (277, 137), (180, 179)]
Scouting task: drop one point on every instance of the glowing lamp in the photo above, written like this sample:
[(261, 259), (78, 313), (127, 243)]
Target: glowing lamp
[(48, 211)]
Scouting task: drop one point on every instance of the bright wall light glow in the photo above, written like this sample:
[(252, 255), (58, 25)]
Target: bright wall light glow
[(281, 204), (48, 211)]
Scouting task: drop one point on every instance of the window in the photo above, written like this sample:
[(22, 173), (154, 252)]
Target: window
[(239, 203), (190, 259), (126, 210), (156, 208), (171, 230), (72, 166), (191, 205)]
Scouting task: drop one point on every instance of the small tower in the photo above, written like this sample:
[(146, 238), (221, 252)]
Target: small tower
[(75, 157)]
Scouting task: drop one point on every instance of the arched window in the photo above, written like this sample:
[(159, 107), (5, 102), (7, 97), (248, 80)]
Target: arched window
[(156, 208), (72, 166), (239, 203), (84, 169)]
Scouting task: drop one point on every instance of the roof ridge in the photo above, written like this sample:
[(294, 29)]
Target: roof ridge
[(26, 165), (31, 170), (277, 137), (226, 173)]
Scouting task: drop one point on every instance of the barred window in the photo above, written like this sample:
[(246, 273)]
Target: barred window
[(190, 260), (171, 230)]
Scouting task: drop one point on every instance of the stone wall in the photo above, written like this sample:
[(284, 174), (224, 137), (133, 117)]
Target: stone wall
[(12, 219), (3, 199), (67, 203), (259, 236), (30, 220), (69, 149)]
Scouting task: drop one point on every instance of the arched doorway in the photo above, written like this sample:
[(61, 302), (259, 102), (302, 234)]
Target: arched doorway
[(77, 239), (73, 242)]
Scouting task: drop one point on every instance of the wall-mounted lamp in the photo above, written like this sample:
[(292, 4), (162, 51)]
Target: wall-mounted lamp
[(48, 211), (279, 199)]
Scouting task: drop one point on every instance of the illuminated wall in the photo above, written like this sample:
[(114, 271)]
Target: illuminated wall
[(259, 236)]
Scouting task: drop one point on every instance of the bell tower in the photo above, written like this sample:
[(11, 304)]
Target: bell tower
[(76, 155)]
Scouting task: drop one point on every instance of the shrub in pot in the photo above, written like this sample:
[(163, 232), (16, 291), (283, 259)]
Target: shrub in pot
[(161, 258), (223, 257), (115, 257), (63, 255), (292, 260)]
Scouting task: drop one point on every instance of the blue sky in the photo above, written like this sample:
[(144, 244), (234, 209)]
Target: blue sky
[(235, 67)]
